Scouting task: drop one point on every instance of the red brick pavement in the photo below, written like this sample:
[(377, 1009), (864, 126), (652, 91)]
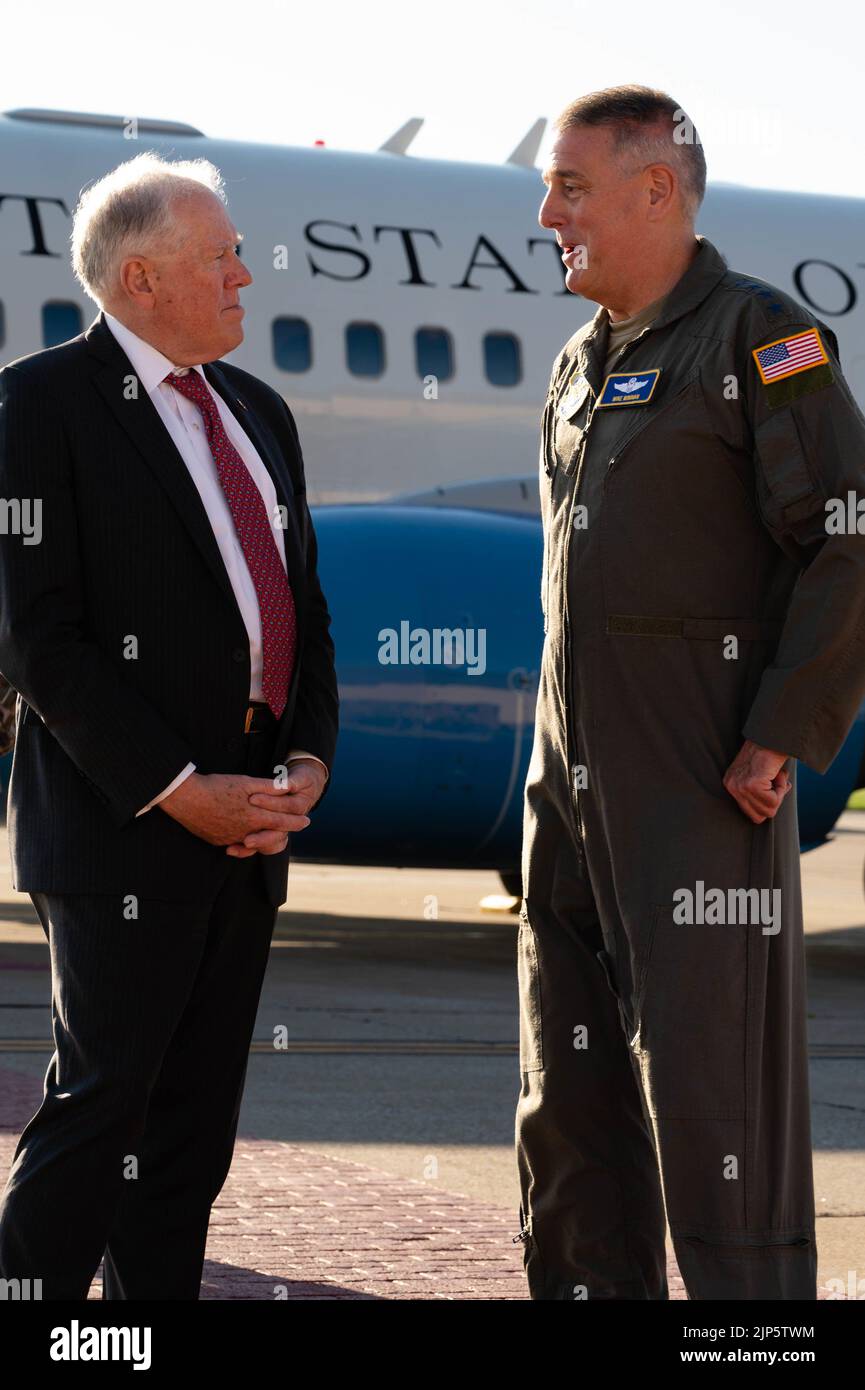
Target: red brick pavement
[(291, 1223), (295, 1224)]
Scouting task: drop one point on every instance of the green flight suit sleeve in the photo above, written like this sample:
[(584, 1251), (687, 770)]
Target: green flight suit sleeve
[(808, 438)]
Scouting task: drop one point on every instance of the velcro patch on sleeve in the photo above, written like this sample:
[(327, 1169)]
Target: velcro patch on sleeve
[(792, 387)]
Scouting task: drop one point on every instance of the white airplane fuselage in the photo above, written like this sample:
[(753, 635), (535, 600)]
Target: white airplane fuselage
[(405, 244)]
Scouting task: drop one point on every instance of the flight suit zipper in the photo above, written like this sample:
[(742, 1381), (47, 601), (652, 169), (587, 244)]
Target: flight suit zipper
[(572, 743), (573, 749)]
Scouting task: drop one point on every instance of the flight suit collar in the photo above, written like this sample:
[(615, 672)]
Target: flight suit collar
[(593, 350), (702, 275), (698, 281)]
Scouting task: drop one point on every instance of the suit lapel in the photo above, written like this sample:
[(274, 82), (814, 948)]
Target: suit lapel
[(138, 416)]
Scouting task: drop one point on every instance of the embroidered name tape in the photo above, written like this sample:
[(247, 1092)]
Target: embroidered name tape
[(629, 388), (787, 356)]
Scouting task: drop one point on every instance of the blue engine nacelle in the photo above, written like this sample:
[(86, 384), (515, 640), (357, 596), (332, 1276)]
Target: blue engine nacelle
[(431, 759), (820, 798)]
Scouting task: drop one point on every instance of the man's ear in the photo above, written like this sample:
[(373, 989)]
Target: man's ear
[(138, 278), (662, 188)]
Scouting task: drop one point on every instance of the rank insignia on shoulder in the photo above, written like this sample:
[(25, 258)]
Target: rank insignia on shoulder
[(575, 393), (629, 388), (787, 356)]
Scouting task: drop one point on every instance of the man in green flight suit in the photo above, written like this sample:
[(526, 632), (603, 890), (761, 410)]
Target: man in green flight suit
[(705, 629)]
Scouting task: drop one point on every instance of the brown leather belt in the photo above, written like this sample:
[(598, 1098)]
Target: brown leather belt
[(747, 629), (259, 717)]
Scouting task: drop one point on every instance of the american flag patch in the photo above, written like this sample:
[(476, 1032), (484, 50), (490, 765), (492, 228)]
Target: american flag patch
[(786, 356)]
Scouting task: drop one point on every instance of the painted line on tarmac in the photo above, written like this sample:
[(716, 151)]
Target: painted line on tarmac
[(422, 1047)]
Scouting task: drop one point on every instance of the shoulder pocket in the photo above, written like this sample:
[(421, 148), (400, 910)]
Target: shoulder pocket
[(786, 491)]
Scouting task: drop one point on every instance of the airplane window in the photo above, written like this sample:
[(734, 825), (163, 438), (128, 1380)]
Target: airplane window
[(364, 349), (60, 322), (502, 362), (292, 344), (433, 352)]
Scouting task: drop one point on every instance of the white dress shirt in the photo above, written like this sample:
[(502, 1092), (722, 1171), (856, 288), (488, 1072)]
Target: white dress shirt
[(185, 424)]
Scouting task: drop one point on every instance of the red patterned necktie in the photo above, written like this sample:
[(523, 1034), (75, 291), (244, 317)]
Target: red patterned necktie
[(255, 532)]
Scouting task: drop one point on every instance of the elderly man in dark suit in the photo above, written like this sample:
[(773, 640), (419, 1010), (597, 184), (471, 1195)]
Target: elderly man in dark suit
[(177, 719)]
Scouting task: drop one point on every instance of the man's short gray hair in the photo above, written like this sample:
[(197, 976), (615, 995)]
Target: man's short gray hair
[(133, 210), (649, 127)]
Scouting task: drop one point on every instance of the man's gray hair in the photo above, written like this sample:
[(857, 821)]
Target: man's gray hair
[(649, 127), (132, 210)]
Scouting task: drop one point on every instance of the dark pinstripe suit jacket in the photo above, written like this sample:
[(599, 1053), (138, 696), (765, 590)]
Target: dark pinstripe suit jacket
[(127, 552)]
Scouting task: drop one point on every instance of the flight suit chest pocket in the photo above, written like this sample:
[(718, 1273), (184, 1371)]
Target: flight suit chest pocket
[(676, 412)]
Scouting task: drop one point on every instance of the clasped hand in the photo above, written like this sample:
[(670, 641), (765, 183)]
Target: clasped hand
[(249, 815)]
